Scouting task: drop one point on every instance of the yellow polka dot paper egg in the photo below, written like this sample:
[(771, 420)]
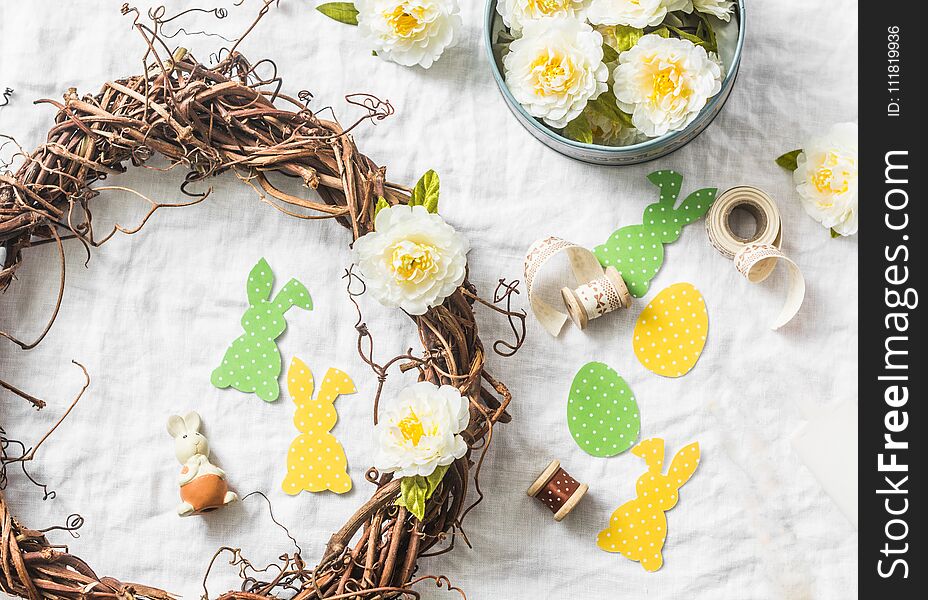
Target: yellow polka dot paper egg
[(671, 331)]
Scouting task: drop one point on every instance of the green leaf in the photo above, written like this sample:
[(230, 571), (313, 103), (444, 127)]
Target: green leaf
[(788, 160), (834, 233), (381, 204), (705, 31), (662, 31), (688, 36), (414, 491), (579, 129), (504, 37), (343, 12), (426, 192), (606, 106), (412, 495), (434, 479), (609, 53), (627, 36)]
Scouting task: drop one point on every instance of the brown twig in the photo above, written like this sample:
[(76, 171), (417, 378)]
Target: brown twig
[(30, 454), (36, 402)]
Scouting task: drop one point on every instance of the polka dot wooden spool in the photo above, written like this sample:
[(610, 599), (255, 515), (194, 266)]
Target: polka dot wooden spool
[(557, 490)]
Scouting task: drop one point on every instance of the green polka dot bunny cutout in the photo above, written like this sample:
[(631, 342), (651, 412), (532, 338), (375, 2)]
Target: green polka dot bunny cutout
[(252, 363), (637, 251), (602, 413)]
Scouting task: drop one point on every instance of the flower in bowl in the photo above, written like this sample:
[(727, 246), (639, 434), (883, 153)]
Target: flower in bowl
[(664, 83), (517, 12), (721, 9), (634, 13), (555, 68), (659, 61)]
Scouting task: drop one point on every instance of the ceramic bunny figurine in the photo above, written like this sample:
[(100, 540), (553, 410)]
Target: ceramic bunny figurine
[(203, 486), (638, 528), (252, 362)]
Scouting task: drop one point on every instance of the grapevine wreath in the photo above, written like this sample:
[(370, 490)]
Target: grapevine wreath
[(227, 118)]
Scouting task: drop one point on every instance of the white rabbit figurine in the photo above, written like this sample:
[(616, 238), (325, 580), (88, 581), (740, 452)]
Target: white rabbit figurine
[(203, 486)]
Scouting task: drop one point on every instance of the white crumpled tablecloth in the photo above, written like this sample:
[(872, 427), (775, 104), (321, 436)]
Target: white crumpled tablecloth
[(153, 314)]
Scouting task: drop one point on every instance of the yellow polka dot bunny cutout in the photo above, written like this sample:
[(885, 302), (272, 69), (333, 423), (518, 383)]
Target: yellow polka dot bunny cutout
[(638, 528), (671, 331), (316, 460)]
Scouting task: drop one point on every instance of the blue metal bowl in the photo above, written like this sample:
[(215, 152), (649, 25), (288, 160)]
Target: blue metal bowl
[(613, 155)]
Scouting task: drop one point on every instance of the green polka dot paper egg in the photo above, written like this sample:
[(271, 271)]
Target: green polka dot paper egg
[(602, 413)]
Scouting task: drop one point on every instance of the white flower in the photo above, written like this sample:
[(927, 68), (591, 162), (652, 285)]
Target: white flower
[(413, 259), (664, 83), (419, 430), (826, 178), (717, 8), (635, 13), (516, 12), (409, 32), (555, 68)]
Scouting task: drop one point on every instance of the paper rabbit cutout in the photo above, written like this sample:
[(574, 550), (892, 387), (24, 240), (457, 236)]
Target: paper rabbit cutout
[(252, 363), (203, 486), (316, 461), (637, 251), (638, 528)]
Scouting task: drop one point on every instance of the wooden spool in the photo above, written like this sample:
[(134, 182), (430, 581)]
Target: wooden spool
[(557, 490), (596, 298)]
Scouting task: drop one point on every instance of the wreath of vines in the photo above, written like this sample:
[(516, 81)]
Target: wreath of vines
[(230, 116)]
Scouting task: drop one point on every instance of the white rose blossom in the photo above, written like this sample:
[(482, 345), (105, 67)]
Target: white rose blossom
[(826, 178), (634, 13), (409, 32), (419, 429), (720, 9), (664, 83), (516, 12), (555, 68), (413, 259)]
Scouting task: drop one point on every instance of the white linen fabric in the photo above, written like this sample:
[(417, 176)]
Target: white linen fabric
[(152, 314)]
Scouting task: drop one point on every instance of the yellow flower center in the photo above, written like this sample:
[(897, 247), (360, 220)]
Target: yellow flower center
[(666, 81), (547, 7), (833, 175), (411, 428), (403, 20), (412, 261), (553, 73)]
